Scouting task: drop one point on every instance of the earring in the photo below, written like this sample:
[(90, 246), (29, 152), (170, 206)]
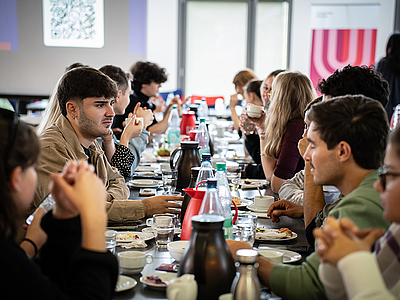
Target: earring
[(73, 117)]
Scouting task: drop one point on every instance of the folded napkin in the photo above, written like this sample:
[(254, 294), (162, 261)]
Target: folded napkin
[(271, 235), (134, 244), (147, 156)]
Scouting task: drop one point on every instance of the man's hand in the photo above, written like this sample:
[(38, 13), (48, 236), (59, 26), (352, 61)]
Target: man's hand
[(302, 146), (162, 204), (284, 208), (333, 243), (131, 131), (259, 122), (237, 245)]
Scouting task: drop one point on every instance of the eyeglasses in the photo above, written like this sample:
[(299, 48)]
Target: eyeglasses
[(8, 114), (383, 174)]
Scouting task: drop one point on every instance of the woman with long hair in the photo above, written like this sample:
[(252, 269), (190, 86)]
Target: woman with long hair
[(284, 126), (349, 270), (74, 263)]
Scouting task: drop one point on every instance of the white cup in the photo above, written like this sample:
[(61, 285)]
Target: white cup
[(141, 120), (254, 111), (275, 256), (263, 202), (133, 262), (228, 296)]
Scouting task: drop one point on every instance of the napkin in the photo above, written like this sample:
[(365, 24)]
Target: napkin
[(134, 244), (271, 235), (147, 156)]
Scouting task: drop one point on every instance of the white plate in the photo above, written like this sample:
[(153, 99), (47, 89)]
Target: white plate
[(252, 207), (261, 236), (243, 203), (166, 277), (260, 215), (150, 230), (288, 256), (145, 169), (142, 236), (162, 158), (252, 183), (144, 183), (246, 158), (145, 173), (125, 283)]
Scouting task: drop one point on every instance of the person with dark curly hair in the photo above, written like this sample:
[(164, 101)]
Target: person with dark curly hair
[(355, 80), (389, 66), (147, 79)]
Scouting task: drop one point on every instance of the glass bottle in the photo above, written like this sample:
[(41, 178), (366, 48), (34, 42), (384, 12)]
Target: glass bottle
[(174, 126), (205, 171), (225, 198), (202, 137), (246, 286), (211, 204)]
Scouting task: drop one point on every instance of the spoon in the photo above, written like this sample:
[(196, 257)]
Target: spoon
[(258, 188)]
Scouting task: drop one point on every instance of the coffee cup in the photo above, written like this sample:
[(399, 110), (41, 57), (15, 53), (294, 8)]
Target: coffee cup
[(182, 288), (254, 111), (263, 202), (274, 255), (133, 262)]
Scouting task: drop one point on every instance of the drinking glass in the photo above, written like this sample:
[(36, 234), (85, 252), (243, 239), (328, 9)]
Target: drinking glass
[(163, 225), (169, 179), (248, 126), (246, 226), (158, 141), (234, 179), (111, 240)]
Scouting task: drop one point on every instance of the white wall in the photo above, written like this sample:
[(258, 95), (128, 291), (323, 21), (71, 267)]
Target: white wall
[(300, 52)]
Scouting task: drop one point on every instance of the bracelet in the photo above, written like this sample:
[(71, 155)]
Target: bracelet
[(33, 244)]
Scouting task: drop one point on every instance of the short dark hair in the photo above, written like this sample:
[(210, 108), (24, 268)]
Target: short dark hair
[(276, 73), (358, 120), (120, 77), (19, 147), (80, 83), (253, 86), (145, 72), (356, 80)]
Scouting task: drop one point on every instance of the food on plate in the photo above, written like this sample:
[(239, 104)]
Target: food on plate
[(163, 152), (247, 181), (237, 200), (287, 231), (155, 279), (127, 236), (260, 229), (147, 192)]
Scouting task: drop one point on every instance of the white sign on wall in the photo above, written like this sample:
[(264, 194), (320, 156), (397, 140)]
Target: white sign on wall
[(73, 23)]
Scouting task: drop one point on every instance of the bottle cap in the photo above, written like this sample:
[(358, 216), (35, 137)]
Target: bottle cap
[(174, 106), (221, 166), (206, 157), (202, 120), (211, 183), (247, 256)]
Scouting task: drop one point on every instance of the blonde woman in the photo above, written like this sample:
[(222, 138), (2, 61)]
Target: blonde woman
[(284, 126)]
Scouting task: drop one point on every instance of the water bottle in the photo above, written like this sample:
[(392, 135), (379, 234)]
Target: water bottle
[(225, 198), (202, 137), (211, 204), (205, 171), (169, 98), (246, 286), (174, 126), (204, 108), (47, 204)]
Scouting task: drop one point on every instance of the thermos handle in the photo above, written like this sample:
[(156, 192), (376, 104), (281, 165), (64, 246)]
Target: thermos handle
[(236, 212), (200, 183), (171, 160)]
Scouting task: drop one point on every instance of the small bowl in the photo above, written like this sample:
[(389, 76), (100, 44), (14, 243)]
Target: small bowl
[(177, 248)]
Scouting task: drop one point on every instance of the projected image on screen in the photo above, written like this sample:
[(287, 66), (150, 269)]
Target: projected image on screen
[(73, 23)]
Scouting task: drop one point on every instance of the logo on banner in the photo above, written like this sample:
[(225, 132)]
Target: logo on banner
[(333, 49)]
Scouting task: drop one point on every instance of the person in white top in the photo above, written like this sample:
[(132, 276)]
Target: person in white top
[(348, 269)]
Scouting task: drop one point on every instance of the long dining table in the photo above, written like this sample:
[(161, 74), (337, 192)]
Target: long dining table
[(142, 291)]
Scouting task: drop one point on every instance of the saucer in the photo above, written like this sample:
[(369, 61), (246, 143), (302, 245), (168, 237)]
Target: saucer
[(252, 207), (125, 283)]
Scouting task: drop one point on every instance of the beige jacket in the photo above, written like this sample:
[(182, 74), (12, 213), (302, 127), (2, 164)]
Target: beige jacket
[(59, 144)]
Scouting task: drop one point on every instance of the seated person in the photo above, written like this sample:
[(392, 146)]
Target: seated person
[(125, 153), (347, 265), (147, 80), (339, 130), (239, 81), (283, 127), (86, 114), (74, 261)]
